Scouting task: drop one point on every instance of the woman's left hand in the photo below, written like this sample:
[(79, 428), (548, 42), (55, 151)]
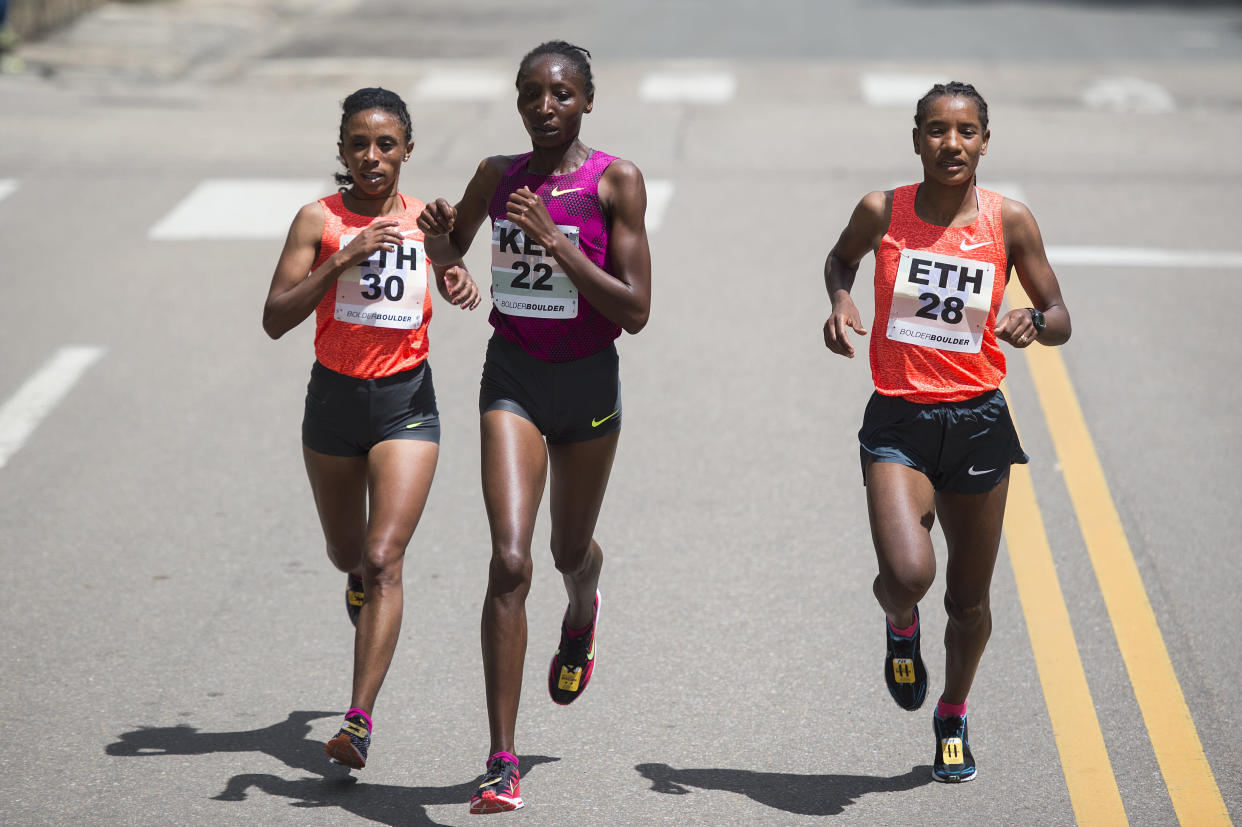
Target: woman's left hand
[(462, 291), (1016, 328), (527, 210)]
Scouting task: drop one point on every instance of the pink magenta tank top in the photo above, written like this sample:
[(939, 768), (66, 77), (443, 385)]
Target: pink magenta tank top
[(373, 321), (937, 293), (535, 305)]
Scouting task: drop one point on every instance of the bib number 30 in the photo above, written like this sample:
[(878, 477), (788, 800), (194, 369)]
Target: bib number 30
[(386, 290)]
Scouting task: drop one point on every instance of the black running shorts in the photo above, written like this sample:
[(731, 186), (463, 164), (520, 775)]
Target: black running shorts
[(962, 447), (567, 401), (347, 417)]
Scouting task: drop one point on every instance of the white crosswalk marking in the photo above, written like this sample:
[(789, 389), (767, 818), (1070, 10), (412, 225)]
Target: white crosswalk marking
[(1127, 94), (687, 86), (893, 89), (464, 85), (41, 392), (1144, 257), (238, 208), (7, 187), (659, 193)]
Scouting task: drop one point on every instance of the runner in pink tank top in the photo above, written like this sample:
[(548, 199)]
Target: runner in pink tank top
[(937, 441), (572, 200), (570, 270)]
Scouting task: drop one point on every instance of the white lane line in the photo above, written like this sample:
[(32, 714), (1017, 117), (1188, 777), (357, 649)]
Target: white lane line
[(659, 193), (42, 392), (238, 208), (687, 87), (464, 85), (1143, 257), (7, 187), (1128, 94), (891, 89)]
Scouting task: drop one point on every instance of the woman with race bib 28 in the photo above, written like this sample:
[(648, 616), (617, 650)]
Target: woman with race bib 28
[(937, 440), (370, 430), (571, 269)]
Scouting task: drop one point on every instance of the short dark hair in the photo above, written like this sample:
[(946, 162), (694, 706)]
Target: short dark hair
[(951, 89), (578, 56), (372, 97)]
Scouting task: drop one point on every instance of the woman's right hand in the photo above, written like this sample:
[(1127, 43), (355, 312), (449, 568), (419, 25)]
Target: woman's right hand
[(379, 234), (437, 218), (844, 317)]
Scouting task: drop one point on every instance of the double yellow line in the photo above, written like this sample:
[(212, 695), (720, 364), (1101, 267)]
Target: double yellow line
[(1080, 743)]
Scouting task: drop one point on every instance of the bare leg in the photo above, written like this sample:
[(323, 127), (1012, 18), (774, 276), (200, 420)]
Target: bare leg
[(901, 505), (972, 527), (515, 468), (580, 472), (339, 486), (397, 474)]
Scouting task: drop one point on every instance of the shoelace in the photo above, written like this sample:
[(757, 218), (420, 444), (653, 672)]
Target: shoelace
[(575, 650), (496, 772)]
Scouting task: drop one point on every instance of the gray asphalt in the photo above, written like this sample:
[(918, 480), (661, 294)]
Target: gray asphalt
[(175, 649)]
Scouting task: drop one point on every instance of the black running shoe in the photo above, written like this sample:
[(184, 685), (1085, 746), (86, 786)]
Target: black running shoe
[(953, 763), (355, 596), (499, 792), (350, 745), (904, 674), (573, 662)]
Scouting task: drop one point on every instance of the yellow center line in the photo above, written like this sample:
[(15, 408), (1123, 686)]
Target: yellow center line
[(1080, 743), (1174, 739)]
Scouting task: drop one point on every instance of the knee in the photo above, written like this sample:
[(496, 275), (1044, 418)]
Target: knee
[(382, 569), (572, 560), (974, 614), (345, 557), (511, 567), (908, 584)]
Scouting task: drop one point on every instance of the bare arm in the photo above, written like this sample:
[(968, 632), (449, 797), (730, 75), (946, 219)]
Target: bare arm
[(861, 235), (449, 230), (295, 291), (1024, 247)]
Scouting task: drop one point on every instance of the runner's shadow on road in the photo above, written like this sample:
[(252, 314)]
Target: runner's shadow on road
[(810, 795), (289, 743)]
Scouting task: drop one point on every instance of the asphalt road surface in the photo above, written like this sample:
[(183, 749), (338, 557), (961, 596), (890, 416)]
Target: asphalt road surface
[(175, 649)]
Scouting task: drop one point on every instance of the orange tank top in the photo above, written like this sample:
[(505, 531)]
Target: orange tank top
[(937, 293), (373, 321)]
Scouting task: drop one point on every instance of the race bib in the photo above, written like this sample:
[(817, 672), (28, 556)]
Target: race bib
[(386, 290), (526, 281), (941, 301)]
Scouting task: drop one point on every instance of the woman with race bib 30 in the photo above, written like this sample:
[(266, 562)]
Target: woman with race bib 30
[(937, 440), (370, 430), (571, 269)]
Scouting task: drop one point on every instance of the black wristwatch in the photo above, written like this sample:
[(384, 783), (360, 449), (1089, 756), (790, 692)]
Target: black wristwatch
[(1038, 320)]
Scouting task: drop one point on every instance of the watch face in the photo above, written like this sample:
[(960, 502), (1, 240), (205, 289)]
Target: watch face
[(1037, 319)]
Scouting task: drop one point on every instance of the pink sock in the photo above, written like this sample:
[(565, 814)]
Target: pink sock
[(363, 713), (906, 632), (508, 756), (948, 710)]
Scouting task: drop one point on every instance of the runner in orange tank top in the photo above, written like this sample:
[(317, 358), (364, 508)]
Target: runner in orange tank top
[(937, 439), (371, 432)]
